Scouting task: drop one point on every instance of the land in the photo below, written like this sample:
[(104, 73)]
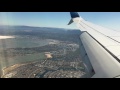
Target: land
[(36, 52)]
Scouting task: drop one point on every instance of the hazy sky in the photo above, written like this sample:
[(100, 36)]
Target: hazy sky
[(59, 19)]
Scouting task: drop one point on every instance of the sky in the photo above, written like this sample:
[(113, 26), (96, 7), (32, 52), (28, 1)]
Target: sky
[(59, 19)]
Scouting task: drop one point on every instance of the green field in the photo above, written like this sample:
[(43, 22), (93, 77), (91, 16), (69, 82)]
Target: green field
[(21, 59)]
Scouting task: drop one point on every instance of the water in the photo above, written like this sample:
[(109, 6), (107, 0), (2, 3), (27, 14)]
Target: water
[(21, 43)]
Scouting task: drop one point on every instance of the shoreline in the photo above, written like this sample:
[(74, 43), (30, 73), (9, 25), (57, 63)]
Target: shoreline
[(5, 70)]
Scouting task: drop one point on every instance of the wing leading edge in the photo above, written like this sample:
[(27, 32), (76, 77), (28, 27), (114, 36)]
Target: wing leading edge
[(102, 46)]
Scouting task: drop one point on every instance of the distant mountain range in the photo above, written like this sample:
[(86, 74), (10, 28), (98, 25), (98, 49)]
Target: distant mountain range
[(31, 28), (42, 32), (5, 29)]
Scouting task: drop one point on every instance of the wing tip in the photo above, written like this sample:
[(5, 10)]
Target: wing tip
[(73, 15), (71, 21)]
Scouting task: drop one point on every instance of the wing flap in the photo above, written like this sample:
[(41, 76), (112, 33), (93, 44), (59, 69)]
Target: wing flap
[(103, 63)]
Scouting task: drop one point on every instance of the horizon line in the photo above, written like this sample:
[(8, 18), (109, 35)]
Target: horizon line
[(38, 26)]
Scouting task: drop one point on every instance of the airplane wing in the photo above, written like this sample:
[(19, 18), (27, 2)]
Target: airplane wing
[(101, 48)]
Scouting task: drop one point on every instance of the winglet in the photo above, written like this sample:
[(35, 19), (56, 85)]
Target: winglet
[(73, 15)]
